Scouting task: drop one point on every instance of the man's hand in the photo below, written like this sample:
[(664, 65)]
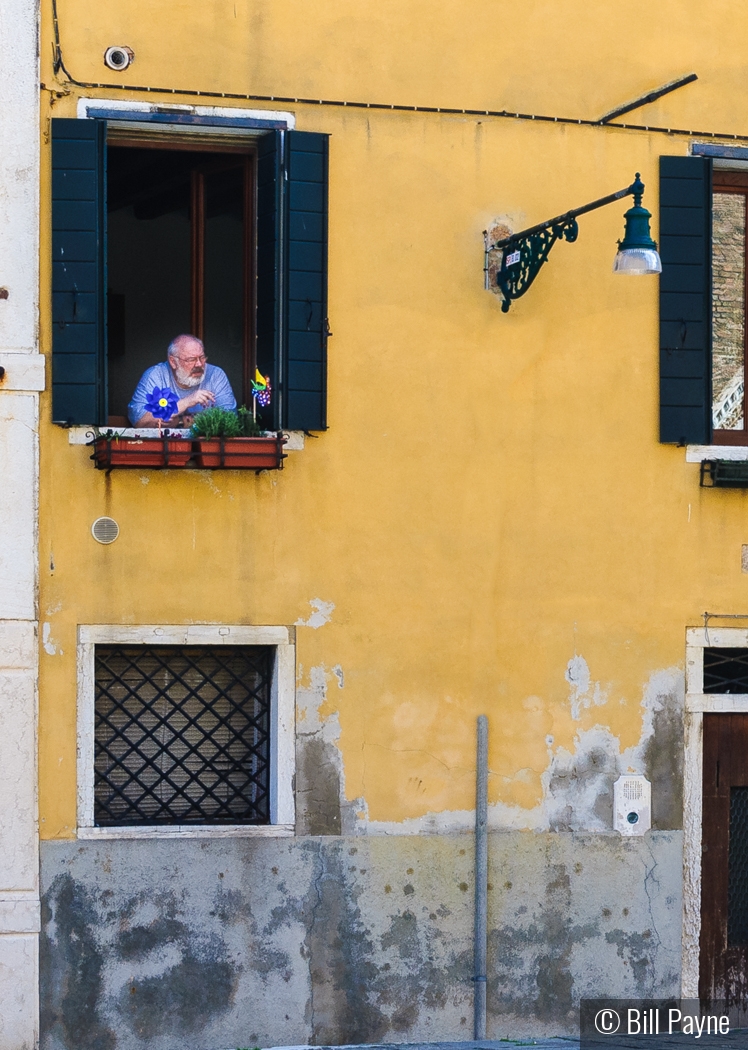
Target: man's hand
[(206, 398)]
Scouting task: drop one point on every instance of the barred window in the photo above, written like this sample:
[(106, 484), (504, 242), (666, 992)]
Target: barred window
[(182, 734), (726, 670)]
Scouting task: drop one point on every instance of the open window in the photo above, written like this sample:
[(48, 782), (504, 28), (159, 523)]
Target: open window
[(168, 231), (729, 197), (180, 259), (702, 302)]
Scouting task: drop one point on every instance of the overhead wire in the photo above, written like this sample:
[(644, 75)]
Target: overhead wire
[(298, 100)]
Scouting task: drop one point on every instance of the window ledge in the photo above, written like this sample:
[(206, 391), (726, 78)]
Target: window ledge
[(699, 453), (83, 435), (189, 831)]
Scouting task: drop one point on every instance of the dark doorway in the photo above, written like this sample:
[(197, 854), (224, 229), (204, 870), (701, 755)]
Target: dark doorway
[(180, 259), (723, 967)]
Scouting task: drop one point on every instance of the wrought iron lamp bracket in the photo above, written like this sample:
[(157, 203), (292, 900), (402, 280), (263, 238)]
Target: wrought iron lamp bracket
[(526, 257), (525, 252)]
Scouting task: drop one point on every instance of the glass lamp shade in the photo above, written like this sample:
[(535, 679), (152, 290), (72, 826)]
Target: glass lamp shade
[(637, 261)]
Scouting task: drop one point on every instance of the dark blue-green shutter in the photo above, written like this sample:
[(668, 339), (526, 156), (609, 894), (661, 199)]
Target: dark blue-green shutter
[(685, 300), (269, 268), (292, 276), (305, 402), (79, 393)]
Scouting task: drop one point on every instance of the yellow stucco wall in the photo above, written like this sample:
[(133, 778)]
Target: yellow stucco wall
[(490, 498)]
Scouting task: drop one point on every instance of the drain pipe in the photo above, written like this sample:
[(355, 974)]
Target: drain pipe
[(481, 881)]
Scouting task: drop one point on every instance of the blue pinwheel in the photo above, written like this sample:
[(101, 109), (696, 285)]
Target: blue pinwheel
[(161, 403)]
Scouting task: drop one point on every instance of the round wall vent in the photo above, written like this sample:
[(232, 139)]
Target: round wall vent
[(105, 530), (118, 57)]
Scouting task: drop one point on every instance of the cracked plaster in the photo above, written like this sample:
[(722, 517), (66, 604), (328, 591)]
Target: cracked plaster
[(577, 786), (340, 940)]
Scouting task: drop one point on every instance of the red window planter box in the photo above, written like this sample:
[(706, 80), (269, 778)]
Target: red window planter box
[(241, 453), (141, 452), (167, 452)]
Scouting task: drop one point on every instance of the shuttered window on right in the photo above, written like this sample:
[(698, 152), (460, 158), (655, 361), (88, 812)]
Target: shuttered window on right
[(729, 211)]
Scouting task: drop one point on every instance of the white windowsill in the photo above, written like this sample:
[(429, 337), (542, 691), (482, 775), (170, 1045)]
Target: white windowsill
[(82, 435), (87, 107), (190, 831), (698, 453)]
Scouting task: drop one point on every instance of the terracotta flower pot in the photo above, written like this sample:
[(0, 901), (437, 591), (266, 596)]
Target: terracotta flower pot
[(241, 453), (141, 452)]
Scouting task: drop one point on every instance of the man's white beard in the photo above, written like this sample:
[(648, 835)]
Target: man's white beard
[(186, 379)]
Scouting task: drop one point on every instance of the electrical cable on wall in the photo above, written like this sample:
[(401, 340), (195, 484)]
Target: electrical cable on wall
[(606, 121)]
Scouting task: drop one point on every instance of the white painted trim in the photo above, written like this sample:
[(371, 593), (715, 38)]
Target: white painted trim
[(697, 703), (715, 638), (23, 370), (182, 634), (694, 667), (191, 831), (82, 435), (696, 453), (700, 703), (19, 521), (18, 645), (85, 746), (282, 719), (86, 106), (20, 915)]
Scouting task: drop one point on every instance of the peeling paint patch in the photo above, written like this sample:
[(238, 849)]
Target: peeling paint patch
[(578, 785), (50, 646), (578, 676), (321, 804), (338, 672), (321, 614)]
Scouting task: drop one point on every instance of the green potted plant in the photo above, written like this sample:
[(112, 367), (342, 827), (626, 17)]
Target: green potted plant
[(234, 440)]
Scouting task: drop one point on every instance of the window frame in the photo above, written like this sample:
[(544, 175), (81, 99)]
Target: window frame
[(282, 724), (290, 313), (725, 180)]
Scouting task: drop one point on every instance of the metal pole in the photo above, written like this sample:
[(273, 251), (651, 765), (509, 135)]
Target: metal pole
[(481, 881)]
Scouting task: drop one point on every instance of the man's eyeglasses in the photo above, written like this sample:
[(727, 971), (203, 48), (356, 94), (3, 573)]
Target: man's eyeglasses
[(200, 360)]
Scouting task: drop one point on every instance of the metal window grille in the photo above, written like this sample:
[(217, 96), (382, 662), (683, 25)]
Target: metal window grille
[(726, 670), (737, 882), (182, 734)]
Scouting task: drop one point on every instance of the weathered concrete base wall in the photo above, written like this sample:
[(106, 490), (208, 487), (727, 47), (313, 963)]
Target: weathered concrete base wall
[(245, 942)]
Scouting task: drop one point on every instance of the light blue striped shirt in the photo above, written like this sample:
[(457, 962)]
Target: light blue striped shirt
[(161, 375)]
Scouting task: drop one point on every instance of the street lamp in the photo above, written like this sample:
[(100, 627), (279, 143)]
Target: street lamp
[(525, 252)]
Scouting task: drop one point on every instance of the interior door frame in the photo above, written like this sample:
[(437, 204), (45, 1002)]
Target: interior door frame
[(697, 704)]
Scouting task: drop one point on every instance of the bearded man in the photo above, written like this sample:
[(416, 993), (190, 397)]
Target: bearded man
[(197, 384)]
